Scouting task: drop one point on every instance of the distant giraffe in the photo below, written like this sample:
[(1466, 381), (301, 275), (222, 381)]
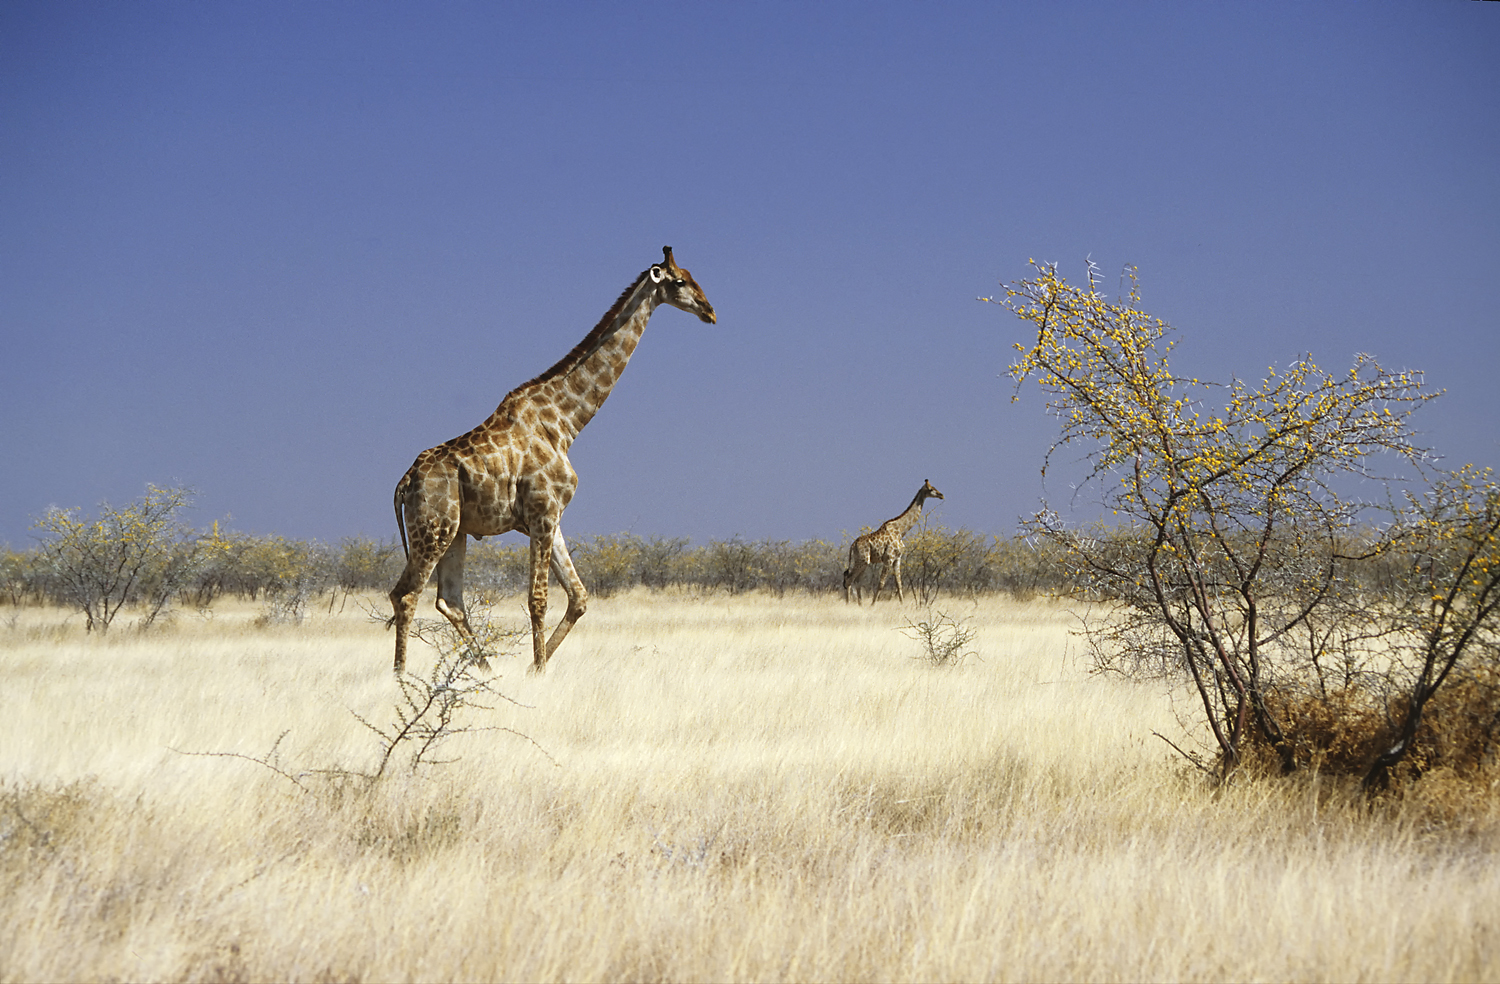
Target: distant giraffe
[(884, 547), (512, 471)]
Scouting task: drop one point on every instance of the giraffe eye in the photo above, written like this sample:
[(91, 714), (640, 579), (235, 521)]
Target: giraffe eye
[(679, 283)]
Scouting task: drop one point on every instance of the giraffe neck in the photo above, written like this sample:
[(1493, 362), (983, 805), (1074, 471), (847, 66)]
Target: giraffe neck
[(908, 519), (576, 387)]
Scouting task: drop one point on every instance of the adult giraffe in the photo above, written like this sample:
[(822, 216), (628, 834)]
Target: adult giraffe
[(883, 546), (512, 471)]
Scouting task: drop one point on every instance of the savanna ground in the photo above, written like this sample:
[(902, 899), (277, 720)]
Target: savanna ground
[(709, 787)]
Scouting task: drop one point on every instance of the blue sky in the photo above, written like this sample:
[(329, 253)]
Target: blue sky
[(272, 251)]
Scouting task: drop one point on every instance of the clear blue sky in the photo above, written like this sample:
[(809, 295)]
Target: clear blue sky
[(273, 250)]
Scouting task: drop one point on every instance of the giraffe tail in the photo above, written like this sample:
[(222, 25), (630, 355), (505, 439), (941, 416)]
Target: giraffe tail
[(402, 488)]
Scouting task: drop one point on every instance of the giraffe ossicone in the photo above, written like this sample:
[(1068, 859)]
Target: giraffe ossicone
[(883, 546), (512, 471)]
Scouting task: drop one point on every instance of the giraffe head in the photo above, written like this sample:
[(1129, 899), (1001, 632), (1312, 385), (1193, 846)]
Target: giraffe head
[(675, 286), (927, 491)]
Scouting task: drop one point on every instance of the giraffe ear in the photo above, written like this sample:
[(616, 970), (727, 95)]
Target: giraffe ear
[(657, 274)]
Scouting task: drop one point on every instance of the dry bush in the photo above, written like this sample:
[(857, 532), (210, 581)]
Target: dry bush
[(942, 639), (608, 564), (1452, 768), (17, 582)]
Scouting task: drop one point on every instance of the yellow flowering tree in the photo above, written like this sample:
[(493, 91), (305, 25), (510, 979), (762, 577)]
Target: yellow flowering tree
[(286, 573), (1446, 600), (15, 575), (936, 557), (1231, 543), (139, 554)]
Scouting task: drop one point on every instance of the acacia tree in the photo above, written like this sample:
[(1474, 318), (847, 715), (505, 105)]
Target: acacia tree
[(138, 553), (936, 557), (1446, 604), (1233, 559), (15, 575)]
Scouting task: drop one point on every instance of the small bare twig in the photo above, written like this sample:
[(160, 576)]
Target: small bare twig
[(267, 760), (1197, 762)]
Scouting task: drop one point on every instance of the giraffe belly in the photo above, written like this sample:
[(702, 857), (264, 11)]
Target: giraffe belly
[(488, 507), (487, 519)]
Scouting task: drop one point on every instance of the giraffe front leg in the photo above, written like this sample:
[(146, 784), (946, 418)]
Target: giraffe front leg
[(540, 548), (578, 595), (885, 572), (900, 595)]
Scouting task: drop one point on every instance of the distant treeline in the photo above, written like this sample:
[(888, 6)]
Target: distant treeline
[(195, 569)]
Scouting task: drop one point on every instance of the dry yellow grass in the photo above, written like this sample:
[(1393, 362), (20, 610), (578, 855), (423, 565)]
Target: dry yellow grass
[(740, 788)]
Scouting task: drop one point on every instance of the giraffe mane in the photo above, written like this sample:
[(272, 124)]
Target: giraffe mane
[(590, 343)]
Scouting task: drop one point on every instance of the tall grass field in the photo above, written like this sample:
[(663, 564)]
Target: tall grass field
[(700, 788)]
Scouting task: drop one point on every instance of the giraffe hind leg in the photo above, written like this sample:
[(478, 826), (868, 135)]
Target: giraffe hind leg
[(851, 578), (425, 554), (859, 562), (450, 599), (404, 597)]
